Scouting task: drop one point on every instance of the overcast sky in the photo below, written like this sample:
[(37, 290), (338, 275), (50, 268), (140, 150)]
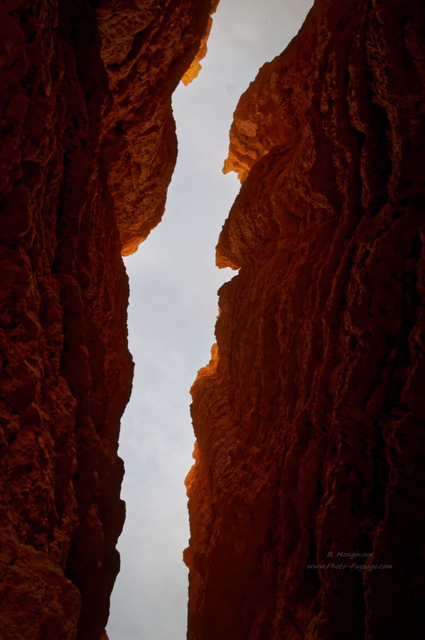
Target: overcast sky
[(173, 307)]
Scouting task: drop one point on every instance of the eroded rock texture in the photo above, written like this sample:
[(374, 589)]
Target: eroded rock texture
[(87, 150), (310, 416)]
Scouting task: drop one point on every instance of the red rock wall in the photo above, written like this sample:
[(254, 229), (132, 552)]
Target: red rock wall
[(87, 150), (310, 416)]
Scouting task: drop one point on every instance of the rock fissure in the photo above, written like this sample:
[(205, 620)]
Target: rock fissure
[(309, 417)]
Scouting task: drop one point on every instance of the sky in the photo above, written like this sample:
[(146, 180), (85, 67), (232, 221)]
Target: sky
[(172, 313)]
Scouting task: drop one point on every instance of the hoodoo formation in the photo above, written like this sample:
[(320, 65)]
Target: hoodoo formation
[(87, 151), (307, 495)]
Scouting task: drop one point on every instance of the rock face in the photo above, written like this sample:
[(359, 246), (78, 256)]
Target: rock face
[(146, 51), (307, 495), (87, 150)]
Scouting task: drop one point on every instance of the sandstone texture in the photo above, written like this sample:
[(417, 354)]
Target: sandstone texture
[(87, 150), (147, 46), (307, 494)]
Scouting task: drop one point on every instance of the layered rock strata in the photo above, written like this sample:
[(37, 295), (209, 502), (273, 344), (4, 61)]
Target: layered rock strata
[(307, 495), (87, 150)]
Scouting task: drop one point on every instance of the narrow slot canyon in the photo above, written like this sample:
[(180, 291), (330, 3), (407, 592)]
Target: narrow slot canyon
[(306, 491), (172, 310)]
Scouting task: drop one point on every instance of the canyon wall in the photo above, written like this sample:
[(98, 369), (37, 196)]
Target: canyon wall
[(87, 150), (306, 498)]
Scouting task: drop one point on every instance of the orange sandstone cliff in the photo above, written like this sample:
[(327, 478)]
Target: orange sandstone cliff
[(307, 495), (87, 150)]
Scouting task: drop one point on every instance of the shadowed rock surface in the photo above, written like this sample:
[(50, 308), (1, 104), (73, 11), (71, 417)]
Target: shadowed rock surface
[(87, 150), (309, 418)]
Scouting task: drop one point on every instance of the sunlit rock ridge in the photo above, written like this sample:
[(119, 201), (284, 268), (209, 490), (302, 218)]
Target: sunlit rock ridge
[(307, 495), (87, 151)]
